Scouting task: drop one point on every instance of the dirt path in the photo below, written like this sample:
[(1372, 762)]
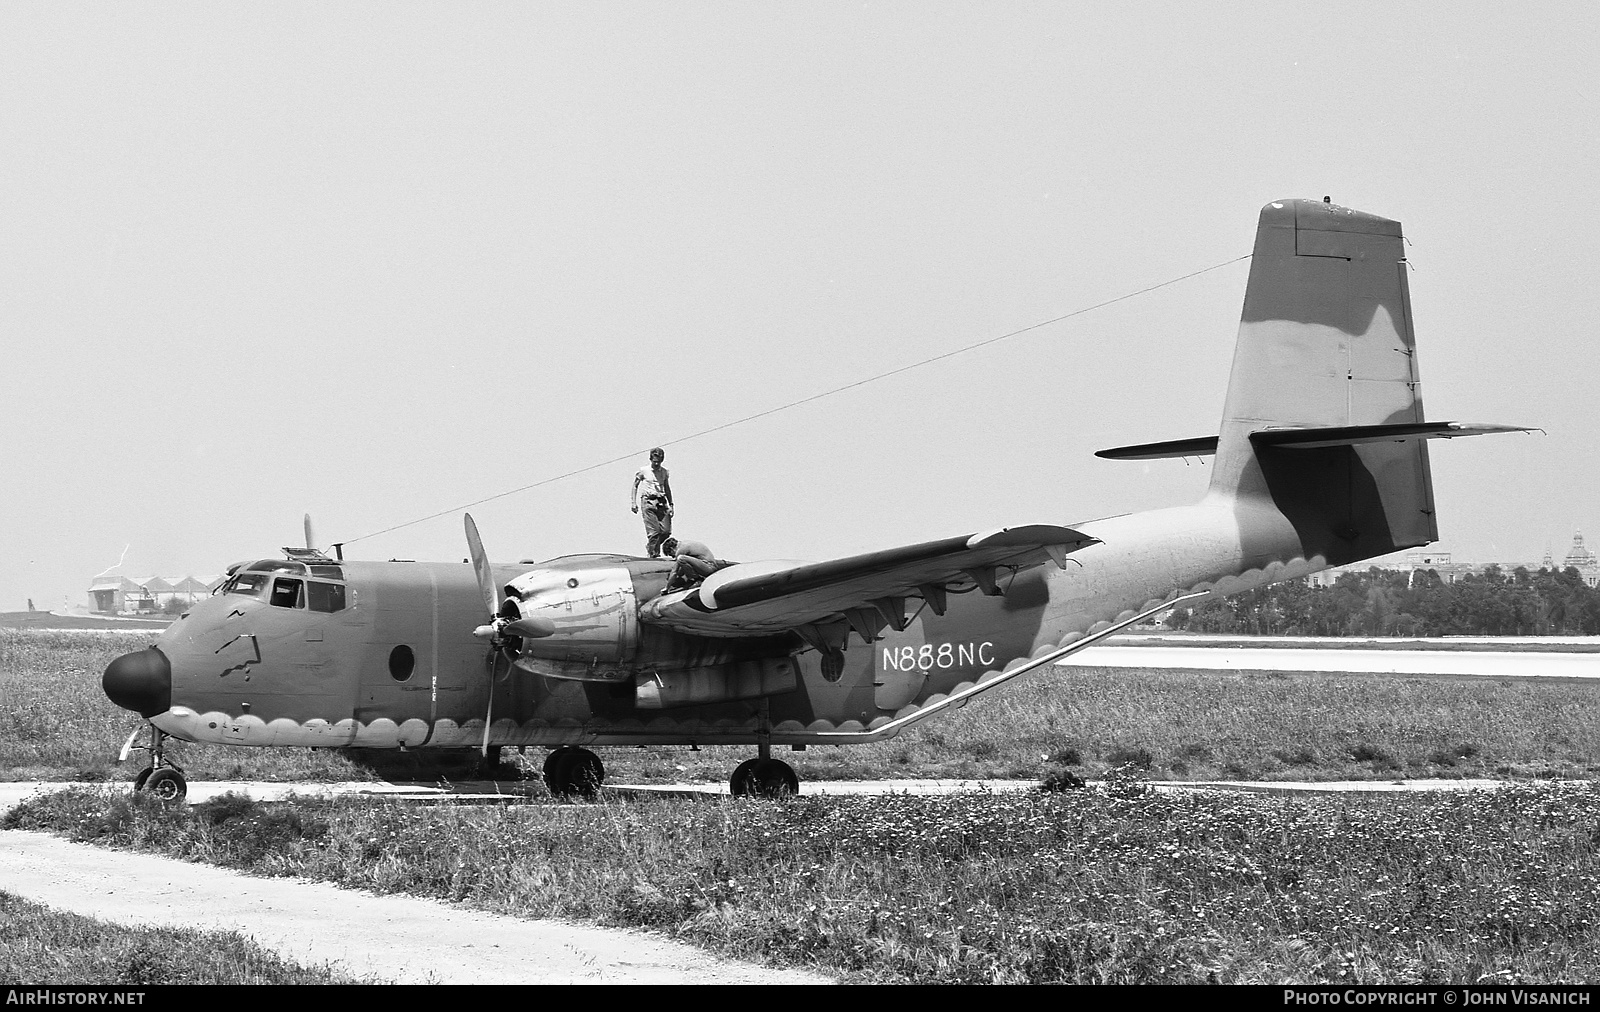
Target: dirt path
[(395, 938)]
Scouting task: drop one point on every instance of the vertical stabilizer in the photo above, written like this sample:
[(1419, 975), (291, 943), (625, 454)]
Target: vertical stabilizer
[(1325, 341)]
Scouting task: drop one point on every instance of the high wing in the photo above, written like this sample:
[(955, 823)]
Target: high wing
[(866, 592)]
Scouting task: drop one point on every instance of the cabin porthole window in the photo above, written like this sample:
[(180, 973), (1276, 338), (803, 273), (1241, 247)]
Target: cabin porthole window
[(402, 662)]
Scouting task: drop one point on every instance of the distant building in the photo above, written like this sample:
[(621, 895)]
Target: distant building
[(1406, 562), (1580, 558), (1583, 560), (113, 595)]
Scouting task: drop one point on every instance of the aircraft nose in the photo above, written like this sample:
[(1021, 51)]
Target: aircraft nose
[(140, 681)]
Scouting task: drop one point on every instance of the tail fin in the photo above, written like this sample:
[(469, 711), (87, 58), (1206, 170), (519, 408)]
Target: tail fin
[(1325, 342), (1323, 422)]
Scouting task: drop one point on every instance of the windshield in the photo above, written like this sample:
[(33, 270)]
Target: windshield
[(249, 584)]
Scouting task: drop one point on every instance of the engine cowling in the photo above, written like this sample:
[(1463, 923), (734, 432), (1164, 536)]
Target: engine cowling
[(594, 615)]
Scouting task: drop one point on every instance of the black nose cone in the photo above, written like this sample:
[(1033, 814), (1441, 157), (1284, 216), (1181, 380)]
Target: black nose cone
[(140, 681)]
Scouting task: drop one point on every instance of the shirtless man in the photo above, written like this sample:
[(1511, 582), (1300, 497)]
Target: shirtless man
[(653, 491), (695, 563)]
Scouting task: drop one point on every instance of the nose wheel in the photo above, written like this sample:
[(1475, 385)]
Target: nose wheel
[(573, 772), (163, 779), (165, 783)]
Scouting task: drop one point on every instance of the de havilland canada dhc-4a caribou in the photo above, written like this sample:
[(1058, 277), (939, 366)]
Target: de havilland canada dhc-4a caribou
[(1321, 460)]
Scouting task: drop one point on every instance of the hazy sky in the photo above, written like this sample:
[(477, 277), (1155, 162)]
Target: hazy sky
[(374, 261)]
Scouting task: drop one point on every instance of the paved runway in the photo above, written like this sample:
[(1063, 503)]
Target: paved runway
[(490, 791), (1510, 665)]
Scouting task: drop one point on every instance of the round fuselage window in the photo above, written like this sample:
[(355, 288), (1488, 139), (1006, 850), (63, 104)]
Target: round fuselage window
[(402, 662)]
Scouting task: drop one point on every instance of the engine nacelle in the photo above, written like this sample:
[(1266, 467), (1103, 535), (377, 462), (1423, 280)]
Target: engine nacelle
[(595, 615), (722, 683)]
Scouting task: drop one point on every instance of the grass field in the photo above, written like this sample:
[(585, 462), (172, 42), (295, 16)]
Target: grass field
[(43, 946), (1118, 886)]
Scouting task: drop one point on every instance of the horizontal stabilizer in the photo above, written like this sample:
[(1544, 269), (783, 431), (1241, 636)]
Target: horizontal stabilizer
[(1310, 438), (1350, 435), (1200, 446)]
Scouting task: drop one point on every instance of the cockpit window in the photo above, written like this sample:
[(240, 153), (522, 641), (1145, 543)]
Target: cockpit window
[(331, 572), (287, 593), (325, 596), (249, 584), (276, 566)]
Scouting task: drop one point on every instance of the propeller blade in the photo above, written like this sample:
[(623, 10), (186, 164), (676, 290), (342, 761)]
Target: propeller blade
[(529, 627), (480, 566), (310, 541), (488, 715)]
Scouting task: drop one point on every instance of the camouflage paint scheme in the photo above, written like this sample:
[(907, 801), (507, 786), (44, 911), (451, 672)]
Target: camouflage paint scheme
[(1325, 343)]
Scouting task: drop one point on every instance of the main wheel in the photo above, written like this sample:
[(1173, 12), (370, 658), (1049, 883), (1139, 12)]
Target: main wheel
[(551, 762), (167, 784), (144, 774), (739, 783), (555, 770), (765, 778), (585, 773), (570, 771)]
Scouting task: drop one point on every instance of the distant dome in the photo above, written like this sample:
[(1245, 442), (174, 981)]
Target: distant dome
[(1580, 557)]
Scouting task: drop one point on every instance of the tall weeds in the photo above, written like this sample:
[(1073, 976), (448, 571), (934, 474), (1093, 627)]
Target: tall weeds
[(1080, 886)]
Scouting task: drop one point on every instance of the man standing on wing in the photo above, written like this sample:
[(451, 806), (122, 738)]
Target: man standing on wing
[(653, 491)]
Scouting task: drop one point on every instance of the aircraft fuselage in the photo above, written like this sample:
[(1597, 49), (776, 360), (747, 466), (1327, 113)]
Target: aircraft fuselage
[(397, 665)]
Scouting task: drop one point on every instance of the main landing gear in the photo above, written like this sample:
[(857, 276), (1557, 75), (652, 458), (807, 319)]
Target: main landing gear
[(573, 772), (163, 779), (764, 777)]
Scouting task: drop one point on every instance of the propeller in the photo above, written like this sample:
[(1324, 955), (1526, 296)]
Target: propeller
[(480, 568), (491, 598), (506, 621)]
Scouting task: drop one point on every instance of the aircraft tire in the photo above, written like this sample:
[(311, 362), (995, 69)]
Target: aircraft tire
[(555, 770), (574, 771), (167, 784), (739, 783), (764, 778), (144, 774), (585, 773)]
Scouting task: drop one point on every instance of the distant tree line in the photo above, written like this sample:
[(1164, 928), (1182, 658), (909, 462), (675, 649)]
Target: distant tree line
[(1386, 602)]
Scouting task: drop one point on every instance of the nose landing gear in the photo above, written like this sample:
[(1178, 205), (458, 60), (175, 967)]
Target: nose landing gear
[(163, 779)]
